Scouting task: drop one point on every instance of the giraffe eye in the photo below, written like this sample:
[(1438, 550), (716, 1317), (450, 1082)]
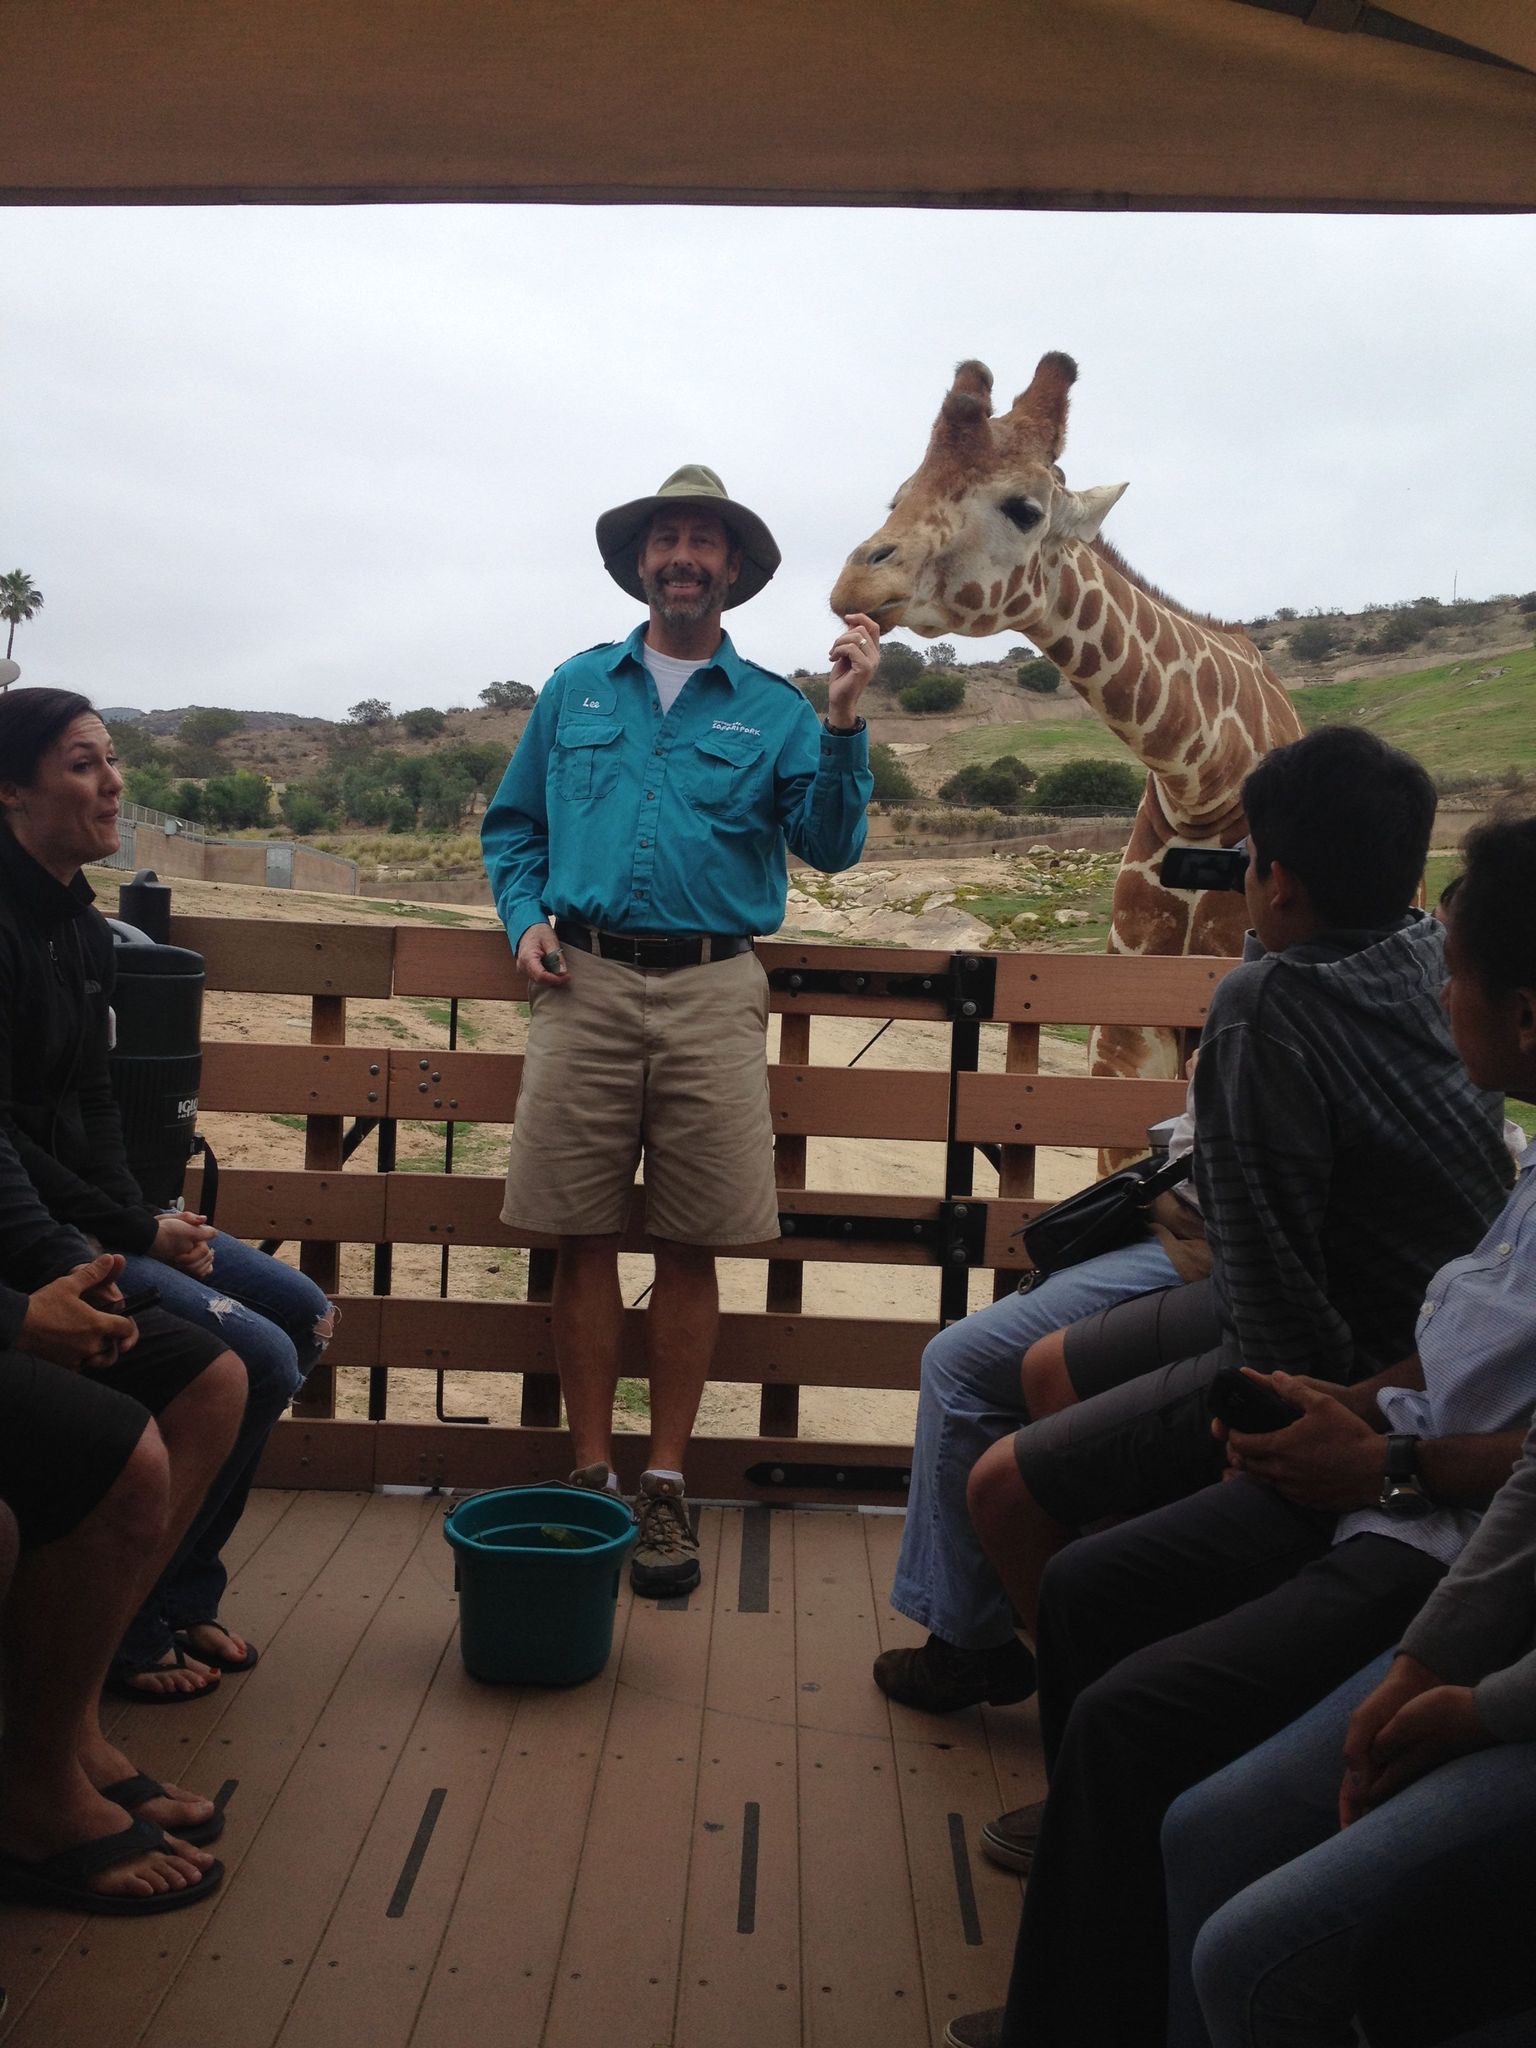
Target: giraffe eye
[(1024, 512)]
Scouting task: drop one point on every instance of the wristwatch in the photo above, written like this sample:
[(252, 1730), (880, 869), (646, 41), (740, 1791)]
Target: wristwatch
[(843, 732), (1403, 1491)]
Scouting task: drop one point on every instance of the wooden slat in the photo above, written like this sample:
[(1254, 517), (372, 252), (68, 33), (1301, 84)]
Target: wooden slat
[(426, 1208), (323, 1453), (778, 1409), (270, 1919), (862, 1102), (1104, 988), (423, 1333), (434, 961), (861, 1956), (496, 1968), (1051, 1109), (739, 1979), (302, 1080), (256, 1203), (779, 956), (261, 956), (618, 1964), (356, 1341), (312, 1594), (948, 1786), (474, 1087), (463, 1455)]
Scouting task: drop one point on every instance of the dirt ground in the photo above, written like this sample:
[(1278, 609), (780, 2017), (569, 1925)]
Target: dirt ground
[(490, 1273)]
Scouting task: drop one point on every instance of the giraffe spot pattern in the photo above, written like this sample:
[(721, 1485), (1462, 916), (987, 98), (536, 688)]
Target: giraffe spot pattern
[(1015, 578), (968, 597), (995, 595), (1088, 612), (1089, 662), (1067, 589), (1112, 639)]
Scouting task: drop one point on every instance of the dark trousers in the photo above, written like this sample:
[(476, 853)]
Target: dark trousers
[(1168, 1647)]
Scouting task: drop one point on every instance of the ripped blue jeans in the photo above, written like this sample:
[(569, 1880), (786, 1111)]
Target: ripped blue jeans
[(277, 1322)]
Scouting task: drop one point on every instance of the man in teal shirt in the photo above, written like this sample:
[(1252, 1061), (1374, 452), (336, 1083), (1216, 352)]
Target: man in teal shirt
[(636, 847)]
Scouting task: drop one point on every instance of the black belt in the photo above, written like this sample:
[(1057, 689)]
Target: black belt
[(654, 952)]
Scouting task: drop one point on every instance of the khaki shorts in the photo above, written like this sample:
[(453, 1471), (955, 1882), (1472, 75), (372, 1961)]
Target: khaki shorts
[(674, 1065)]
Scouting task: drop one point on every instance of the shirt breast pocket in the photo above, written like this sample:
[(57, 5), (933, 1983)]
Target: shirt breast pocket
[(586, 759), (727, 771)]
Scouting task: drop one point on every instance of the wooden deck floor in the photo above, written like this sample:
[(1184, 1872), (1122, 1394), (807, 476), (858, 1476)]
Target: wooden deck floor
[(728, 1840)]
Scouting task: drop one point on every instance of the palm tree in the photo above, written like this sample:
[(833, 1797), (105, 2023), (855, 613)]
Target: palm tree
[(19, 599)]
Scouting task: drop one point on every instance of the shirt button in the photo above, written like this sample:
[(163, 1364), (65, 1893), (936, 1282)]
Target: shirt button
[(1505, 1250), (658, 753), (650, 796), (1429, 1308), (645, 842)]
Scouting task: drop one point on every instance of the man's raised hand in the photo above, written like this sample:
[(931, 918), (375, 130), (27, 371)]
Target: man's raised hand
[(855, 656)]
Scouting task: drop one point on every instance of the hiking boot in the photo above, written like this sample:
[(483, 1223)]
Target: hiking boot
[(595, 1479), (666, 1557), (939, 1678), (1010, 1839), (976, 2030)]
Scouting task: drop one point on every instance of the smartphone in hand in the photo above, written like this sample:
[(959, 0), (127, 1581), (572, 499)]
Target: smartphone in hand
[(1245, 1404)]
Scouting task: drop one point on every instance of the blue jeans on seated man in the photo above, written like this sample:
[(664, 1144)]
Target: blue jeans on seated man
[(1266, 1895), (970, 1397), (276, 1321)]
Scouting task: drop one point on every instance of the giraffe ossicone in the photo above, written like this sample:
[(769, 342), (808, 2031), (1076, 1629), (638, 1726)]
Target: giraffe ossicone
[(986, 537)]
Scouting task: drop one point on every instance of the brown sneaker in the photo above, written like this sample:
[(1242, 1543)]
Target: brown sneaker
[(666, 1557), (939, 1678), (1010, 1839), (594, 1478)]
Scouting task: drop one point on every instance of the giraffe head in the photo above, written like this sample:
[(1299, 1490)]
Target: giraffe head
[(974, 536)]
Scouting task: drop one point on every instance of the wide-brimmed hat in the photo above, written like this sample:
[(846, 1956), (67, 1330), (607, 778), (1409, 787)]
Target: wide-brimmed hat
[(619, 531)]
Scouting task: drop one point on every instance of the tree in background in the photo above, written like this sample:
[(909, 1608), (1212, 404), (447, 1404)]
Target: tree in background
[(899, 665), (200, 736), (933, 693), (370, 711), (1314, 640), (508, 696), (133, 741), (891, 778), (20, 599), (1039, 675), (998, 785), (426, 724), (941, 654), (1081, 785), (303, 810), (151, 786), (236, 801)]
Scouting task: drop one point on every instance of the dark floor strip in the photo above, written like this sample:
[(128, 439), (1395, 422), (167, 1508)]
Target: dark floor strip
[(746, 1898), (225, 1793), (965, 1890), (677, 1603), (417, 1855), (756, 1537)]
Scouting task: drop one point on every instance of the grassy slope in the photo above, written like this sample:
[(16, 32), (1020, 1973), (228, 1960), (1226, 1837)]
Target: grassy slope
[(1456, 724)]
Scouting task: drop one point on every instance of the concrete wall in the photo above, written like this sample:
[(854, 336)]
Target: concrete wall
[(174, 856)]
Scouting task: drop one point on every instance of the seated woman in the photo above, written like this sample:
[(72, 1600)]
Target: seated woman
[(59, 795), (1278, 1918)]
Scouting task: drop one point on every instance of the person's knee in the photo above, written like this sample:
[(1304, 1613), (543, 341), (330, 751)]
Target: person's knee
[(1046, 1382), (131, 1516), (995, 1493), (677, 1257), (274, 1372)]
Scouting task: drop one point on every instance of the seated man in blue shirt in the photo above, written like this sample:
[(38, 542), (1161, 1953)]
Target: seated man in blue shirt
[(635, 848)]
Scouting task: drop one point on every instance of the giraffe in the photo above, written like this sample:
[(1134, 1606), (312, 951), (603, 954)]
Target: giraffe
[(985, 537)]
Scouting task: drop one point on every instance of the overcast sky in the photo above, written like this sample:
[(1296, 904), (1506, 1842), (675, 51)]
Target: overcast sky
[(285, 458)]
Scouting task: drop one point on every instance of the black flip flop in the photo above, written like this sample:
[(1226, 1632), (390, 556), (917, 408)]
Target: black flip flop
[(61, 1882), (132, 1793), (234, 1666), (120, 1682)]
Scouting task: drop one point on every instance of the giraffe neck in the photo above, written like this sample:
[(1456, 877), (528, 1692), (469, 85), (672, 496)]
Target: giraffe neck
[(1194, 703)]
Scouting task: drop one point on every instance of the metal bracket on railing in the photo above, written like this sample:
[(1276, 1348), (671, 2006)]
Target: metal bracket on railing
[(966, 989), (827, 1478), (956, 1235)]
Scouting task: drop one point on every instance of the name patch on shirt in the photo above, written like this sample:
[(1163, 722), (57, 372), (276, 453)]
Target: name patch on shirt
[(735, 725)]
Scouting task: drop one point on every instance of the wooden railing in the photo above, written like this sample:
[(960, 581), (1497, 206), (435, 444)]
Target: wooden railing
[(331, 1081)]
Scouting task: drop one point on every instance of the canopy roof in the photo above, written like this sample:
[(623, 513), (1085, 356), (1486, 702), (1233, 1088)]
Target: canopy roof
[(1301, 104)]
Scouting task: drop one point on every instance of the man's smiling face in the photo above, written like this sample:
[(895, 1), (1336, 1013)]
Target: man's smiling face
[(687, 566)]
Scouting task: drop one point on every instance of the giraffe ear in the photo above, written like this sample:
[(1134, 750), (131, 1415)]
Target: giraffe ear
[(1078, 515), (968, 401), (1043, 406)]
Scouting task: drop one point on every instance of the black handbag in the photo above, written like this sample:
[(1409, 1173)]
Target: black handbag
[(1102, 1218)]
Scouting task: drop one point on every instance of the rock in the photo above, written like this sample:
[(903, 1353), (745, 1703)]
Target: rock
[(1072, 917)]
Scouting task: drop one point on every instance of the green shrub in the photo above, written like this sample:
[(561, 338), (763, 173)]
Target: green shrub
[(151, 786), (1314, 640), (941, 654), (426, 724), (933, 693), (899, 665), (1040, 675), (999, 785), (232, 802), (508, 696), (303, 811), (1075, 785), (891, 778)]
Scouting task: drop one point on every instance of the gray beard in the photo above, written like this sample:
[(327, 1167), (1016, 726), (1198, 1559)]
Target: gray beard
[(681, 612)]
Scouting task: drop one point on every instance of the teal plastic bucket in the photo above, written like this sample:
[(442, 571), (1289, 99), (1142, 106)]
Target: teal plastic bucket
[(538, 1575)]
